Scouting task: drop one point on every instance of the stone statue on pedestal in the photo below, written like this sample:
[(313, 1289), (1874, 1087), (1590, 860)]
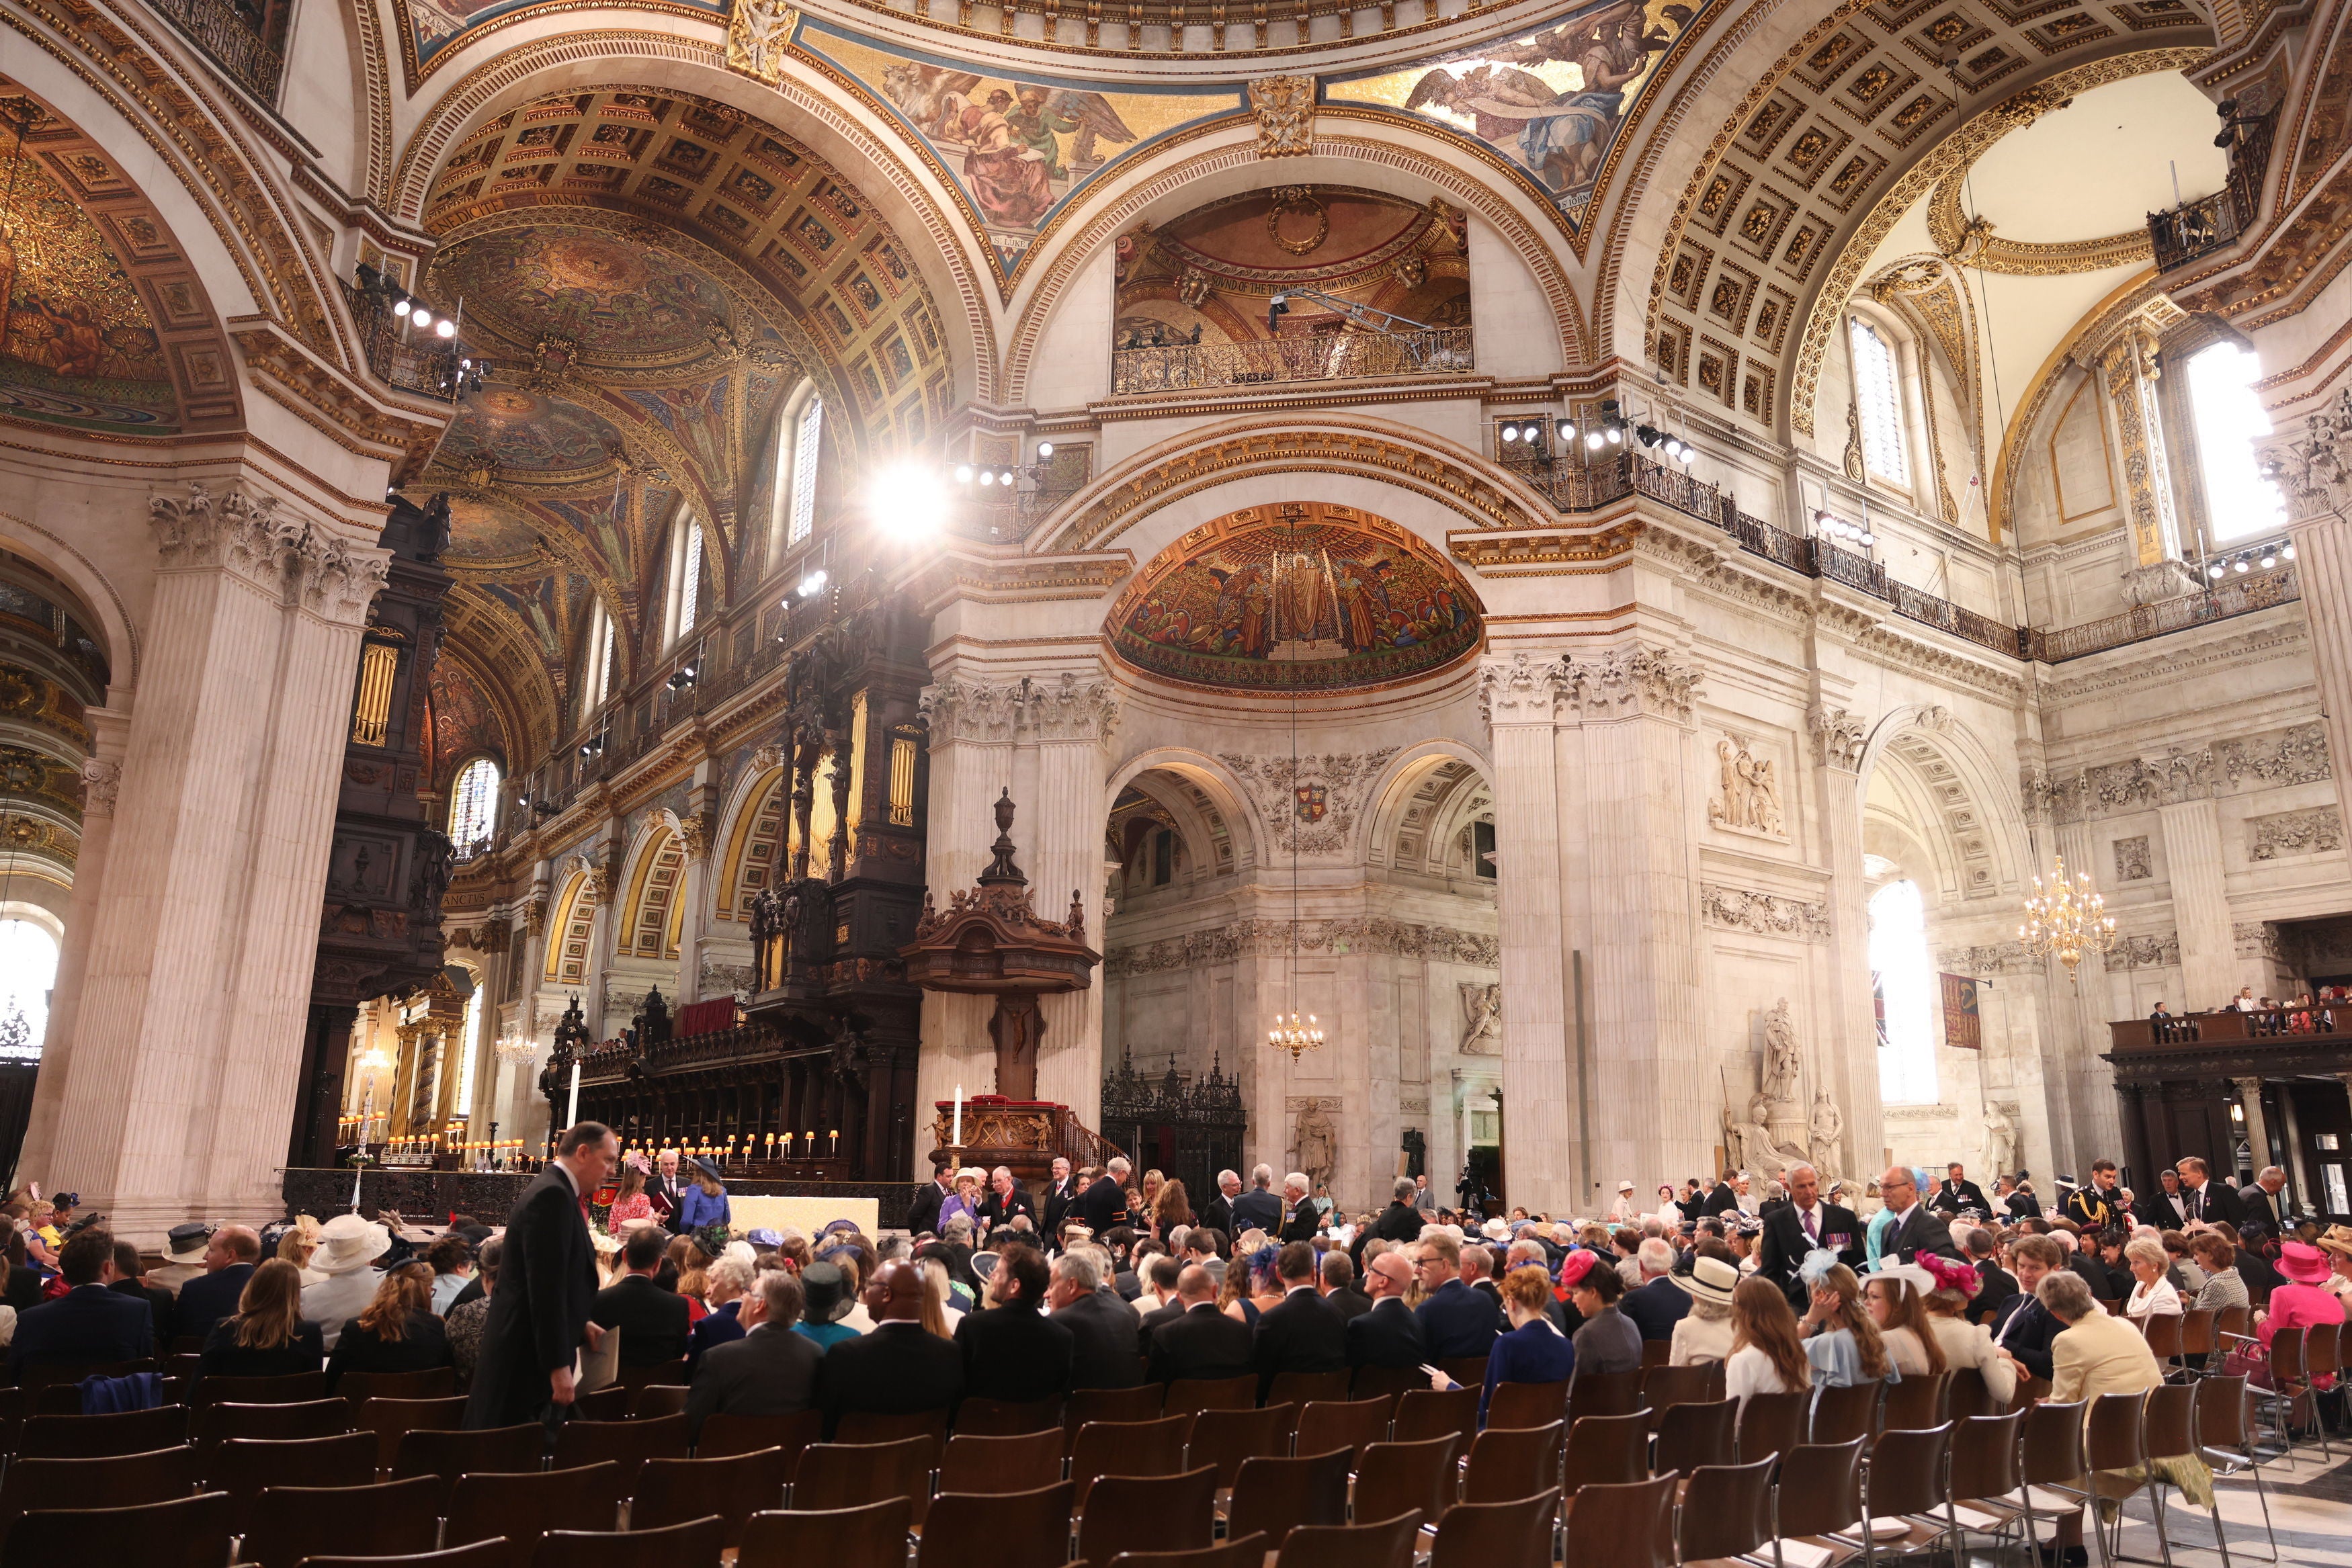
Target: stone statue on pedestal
[(1999, 1138), (1317, 1143), (1828, 1125), (1776, 1131)]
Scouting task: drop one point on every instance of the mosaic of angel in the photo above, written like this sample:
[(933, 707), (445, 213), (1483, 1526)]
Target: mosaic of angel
[(1015, 161)]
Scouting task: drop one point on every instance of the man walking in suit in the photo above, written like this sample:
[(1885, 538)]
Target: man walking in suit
[(898, 1368), (2260, 1205), (2208, 1199), (1959, 1193), (1301, 1333), (1106, 1337), (1258, 1208), (770, 1371), (90, 1323), (1103, 1205), (547, 1288), (1301, 1218), (1219, 1214), (1388, 1335), (654, 1322), (1804, 1225), (1917, 1229), (1200, 1341), (666, 1192), (1721, 1200), (1059, 1195)]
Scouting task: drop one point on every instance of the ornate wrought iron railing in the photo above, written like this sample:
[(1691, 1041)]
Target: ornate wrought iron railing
[(2181, 235), (401, 356), (233, 38), (2239, 594), (1324, 357)]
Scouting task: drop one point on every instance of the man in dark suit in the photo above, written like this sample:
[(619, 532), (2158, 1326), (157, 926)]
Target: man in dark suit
[(1258, 1208), (1957, 1193), (1107, 1338), (547, 1287), (159, 1301), (923, 1212), (1456, 1321), (1998, 1285), (897, 1368), (1388, 1335), (1200, 1341), (1103, 1206), (1170, 1308), (770, 1371), (1219, 1214), (1721, 1200), (2023, 1327), (2166, 1208), (1301, 1218), (88, 1323), (1656, 1304), (1337, 1277), (230, 1259), (654, 1322), (2208, 1199), (1805, 1224), (1917, 1229), (666, 1192), (1401, 1221), (1012, 1349), (1301, 1333), (1060, 1194), (1007, 1197), (2260, 1205)]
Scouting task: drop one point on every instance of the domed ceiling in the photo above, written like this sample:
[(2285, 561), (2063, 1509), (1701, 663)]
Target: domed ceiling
[(531, 439), (625, 305)]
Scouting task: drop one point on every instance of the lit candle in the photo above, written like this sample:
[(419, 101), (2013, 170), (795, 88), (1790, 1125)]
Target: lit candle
[(572, 1110), (836, 1136), (956, 1137)]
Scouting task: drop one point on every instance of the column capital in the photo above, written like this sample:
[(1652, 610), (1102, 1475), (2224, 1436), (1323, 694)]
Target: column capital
[(1521, 689), (1635, 679), (2250, 1086), (1067, 707), (100, 781), (253, 535), (1838, 738)]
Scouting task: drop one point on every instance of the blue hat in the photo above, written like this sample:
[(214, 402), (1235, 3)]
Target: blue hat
[(763, 1236)]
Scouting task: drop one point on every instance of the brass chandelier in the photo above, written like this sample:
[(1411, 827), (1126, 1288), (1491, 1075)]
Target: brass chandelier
[(2065, 919)]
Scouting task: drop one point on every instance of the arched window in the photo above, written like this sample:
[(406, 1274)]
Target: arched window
[(799, 437), (1904, 980), (596, 660), (473, 806), (1879, 395), (684, 602), (28, 967), (2230, 418)]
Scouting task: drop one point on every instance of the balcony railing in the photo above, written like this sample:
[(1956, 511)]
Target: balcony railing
[(2329, 1020), (1325, 356), (2241, 594), (2183, 234), (233, 38), (402, 356)]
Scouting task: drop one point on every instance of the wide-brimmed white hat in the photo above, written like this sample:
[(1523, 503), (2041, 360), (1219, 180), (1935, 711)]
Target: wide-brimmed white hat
[(348, 1243), (1710, 1279), (1496, 1231)]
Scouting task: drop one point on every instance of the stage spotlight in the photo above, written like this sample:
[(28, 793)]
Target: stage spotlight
[(1567, 430), (906, 500), (445, 328), (1595, 441), (1510, 434), (2215, 570), (813, 584), (1044, 450)]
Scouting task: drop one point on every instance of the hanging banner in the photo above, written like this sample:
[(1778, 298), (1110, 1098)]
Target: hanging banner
[(1963, 1028)]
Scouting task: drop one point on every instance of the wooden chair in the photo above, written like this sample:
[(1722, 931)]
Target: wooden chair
[(121, 1481), (182, 1533), (1387, 1544), (1603, 1451), (481, 1555), (2196, 1328), (37, 1377), (1129, 1448), (1188, 1395), (2162, 1332), (1002, 1530), (104, 1437), (1508, 1462), (1469, 1371), (1526, 1403), (652, 1400), (692, 1543), (1389, 1383), (244, 1468), (1693, 1435), (1840, 1415), (1007, 1417), (1426, 1413), (867, 1428), (433, 1382), (672, 1491), (1144, 1402), (1023, 1463), (724, 1435), (1966, 1397), (1909, 1478), (628, 1444), (1771, 1424), (1628, 1526), (661, 1372), (1663, 1387), (212, 1425), (1354, 1425), (291, 1524), (835, 1475), (1136, 1513), (2227, 1446), (1225, 1438), (1299, 1388), (287, 1388), (1726, 1512), (873, 1536), (1410, 1475), (609, 1403), (1985, 1476), (1249, 1551), (1516, 1535), (496, 1451), (1604, 1393), (1819, 1496), (1915, 1403), (524, 1507), (393, 1420), (1657, 1353), (1276, 1495)]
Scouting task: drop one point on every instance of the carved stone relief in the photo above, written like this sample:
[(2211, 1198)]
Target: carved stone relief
[(1285, 108), (1747, 793), (1270, 938), (1482, 1010), (1764, 914), (1308, 803), (2295, 755), (2257, 940), (1839, 737), (2132, 859), (2288, 833)]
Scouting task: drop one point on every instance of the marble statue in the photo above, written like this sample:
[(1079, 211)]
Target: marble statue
[(1999, 1138), (1827, 1126), (1483, 1036), (1317, 1143), (1784, 1058), (1748, 796), (1776, 1131)]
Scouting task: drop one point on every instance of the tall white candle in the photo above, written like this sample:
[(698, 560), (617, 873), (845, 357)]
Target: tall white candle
[(956, 1137), (572, 1110)]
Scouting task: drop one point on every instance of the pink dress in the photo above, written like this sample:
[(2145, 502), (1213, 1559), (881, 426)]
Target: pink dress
[(629, 1211), (2295, 1305)]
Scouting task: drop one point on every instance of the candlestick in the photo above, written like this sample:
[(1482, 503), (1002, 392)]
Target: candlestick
[(572, 1110), (836, 1136), (955, 1139)]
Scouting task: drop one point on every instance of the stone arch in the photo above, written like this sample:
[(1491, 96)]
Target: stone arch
[(755, 825), (572, 933), (1427, 798), (1208, 802), (117, 634), (652, 913), (692, 61), (1401, 159), (1947, 780)]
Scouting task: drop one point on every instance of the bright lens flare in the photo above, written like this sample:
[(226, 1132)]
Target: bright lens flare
[(906, 501)]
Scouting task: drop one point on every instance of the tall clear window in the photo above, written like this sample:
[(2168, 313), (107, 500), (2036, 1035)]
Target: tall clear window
[(596, 660), (2230, 418), (1879, 396), (473, 806), (1904, 978), (29, 969), (685, 597), (808, 435), (470, 1048)]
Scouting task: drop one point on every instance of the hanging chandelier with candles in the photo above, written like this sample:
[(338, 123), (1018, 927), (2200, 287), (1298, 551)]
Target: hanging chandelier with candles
[(2065, 919), (1290, 1034)]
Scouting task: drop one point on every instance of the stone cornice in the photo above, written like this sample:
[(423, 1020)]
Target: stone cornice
[(1002, 575), (1068, 708), (1632, 680)]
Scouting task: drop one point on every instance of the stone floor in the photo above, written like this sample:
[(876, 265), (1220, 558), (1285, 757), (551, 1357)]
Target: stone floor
[(2310, 1507)]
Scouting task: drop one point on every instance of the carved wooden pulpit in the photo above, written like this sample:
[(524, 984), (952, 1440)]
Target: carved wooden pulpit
[(990, 941)]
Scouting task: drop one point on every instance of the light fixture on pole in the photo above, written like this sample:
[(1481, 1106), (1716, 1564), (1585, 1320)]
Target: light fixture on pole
[(1291, 1032), (2065, 919)]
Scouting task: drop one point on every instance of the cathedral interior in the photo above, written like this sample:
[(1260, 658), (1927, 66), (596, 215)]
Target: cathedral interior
[(1536, 593)]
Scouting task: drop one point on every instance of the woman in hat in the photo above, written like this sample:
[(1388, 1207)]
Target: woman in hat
[(702, 1211), (1842, 1338), (267, 1336), (396, 1332), (2302, 1301), (1965, 1344), (347, 1245), (1607, 1341), (1768, 1355), (630, 1205), (964, 1201), (2337, 1245), (1704, 1334), (299, 1244), (1899, 1305), (824, 1297)]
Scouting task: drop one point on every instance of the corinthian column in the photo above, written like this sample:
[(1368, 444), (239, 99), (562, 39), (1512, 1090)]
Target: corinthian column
[(202, 932), (1073, 716), (1839, 739), (2316, 476)]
